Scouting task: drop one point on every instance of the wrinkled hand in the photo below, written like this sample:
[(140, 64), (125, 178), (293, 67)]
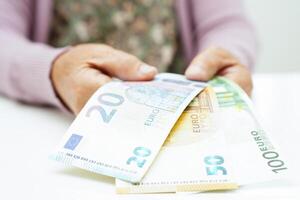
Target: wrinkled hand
[(80, 71), (216, 61)]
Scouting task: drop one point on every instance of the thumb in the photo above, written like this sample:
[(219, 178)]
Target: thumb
[(124, 66), (208, 63)]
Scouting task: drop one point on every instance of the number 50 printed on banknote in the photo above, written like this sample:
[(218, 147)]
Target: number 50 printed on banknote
[(122, 127)]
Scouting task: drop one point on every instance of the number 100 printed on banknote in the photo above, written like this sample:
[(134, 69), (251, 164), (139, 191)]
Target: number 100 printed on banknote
[(121, 129)]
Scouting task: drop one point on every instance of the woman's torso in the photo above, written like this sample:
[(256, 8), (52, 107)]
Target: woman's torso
[(145, 28)]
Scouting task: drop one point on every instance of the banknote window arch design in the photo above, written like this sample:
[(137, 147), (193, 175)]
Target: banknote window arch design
[(161, 96)]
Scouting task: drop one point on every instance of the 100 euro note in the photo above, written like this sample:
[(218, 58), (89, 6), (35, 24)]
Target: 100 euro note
[(124, 124), (241, 150), (194, 157), (255, 157)]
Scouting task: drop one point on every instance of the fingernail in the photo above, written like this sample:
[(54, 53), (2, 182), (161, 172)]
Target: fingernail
[(146, 69)]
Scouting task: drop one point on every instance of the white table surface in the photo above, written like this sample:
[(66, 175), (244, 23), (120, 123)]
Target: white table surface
[(28, 134)]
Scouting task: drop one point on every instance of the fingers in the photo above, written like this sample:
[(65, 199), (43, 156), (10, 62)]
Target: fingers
[(240, 75), (77, 73), (124, 66), (207, 64), (217, 61), (88, 81)]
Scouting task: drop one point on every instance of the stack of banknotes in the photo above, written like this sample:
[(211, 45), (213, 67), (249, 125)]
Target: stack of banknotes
[(171, 135)]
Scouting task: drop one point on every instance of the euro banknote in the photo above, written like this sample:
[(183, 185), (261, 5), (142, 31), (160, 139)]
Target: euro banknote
[(122, 127), (256, 158), (194, 157), (217, 144)]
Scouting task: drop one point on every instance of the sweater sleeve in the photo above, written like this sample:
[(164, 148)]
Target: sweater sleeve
[(24, 65), (224, 24)]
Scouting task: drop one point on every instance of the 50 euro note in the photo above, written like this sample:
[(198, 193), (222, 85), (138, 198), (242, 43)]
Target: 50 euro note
[(231, 148), (124, 124), (194, 157)]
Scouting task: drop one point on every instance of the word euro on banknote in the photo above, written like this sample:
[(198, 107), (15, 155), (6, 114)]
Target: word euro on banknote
[(247, 155), (194, 157), (255, 157), (124, 124)]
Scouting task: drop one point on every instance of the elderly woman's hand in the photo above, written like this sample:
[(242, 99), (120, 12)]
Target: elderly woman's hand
[(81, 70), (216, 61)]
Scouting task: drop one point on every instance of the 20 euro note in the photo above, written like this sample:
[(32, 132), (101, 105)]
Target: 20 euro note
[(255, 157), (124, 124), (194, 157)]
